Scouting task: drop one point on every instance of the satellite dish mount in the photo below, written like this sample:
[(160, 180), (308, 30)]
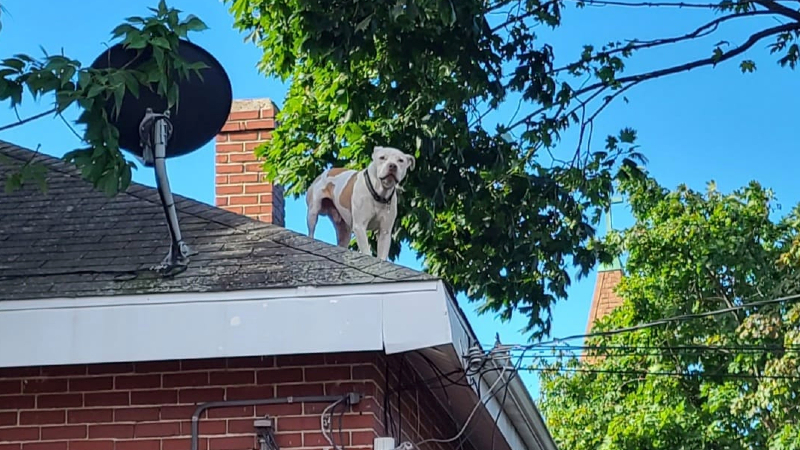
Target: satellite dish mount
[(152, 131)]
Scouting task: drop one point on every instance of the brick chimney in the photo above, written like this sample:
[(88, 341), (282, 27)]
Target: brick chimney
[(604, 299), (240, 185)]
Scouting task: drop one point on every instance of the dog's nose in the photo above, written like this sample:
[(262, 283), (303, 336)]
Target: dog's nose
[(392, 166)]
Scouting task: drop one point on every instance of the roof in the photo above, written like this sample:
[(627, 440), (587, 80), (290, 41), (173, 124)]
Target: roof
[(74, 241)]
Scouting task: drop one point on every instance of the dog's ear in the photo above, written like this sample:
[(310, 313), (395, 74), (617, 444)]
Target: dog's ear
[(412, 161), (375, 151)]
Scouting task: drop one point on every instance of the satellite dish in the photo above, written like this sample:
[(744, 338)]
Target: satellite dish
[(154, 133), (203, 104)]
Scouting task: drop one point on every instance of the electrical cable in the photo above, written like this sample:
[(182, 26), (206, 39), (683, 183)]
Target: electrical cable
[(469, 418), (642, 326), (328, 409), (666, 373)]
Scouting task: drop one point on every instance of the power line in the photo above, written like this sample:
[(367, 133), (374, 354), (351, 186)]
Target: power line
[(665, 373), (664, 321)]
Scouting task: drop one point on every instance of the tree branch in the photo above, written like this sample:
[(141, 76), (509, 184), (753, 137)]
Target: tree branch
[(648, 4), (29, 119), (751, 41), (777, 8)]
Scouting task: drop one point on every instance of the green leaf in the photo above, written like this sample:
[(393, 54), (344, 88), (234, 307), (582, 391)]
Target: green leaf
[(193, 23)]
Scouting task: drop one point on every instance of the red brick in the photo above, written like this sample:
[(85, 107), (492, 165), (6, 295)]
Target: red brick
[(64, 371), (251, 362), (286, 440), (298, 423), (242, 115), (90, 415), (255, 167), (222, 138), (136, 414), (240, 426), (110, 368), (231, 126), (201, 395), (243, 136), (286, 409), (162, 429), (265, 188), (228, 190), (107, 399), (58, 401), (230, 168), (234, 377), (19, 372), (186, 379), (250, 392), (64, 432), (91, 384), (138, 444), (36, 386), (280, 376), (17, 401), (350, 358), (42, 417), (157, 366), (177, 412), (358, 421), (252, 146), (363, 437), (221, 201), (245, 178), (331, 373), (154, 397), (177, 444), (17, 446), (243, 200), (216, 427), (19, 434), (44, 446), (232, 411), (221, 159), (91, 445), (298, 390), (10, 387), (301, 360), (8, 418), (243, 157), (267, 124), (231, 443), (138, 381), (115, 431), (230, 148), (367, 372), (312, 439)]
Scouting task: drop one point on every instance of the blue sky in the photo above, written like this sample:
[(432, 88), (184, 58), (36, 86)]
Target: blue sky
[(708, 124)]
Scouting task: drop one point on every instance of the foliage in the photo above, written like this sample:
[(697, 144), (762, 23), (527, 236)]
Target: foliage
[(491, 208), (725, 381), (156, 66)]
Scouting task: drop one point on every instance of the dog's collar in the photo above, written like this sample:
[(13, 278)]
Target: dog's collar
[(375, 195)]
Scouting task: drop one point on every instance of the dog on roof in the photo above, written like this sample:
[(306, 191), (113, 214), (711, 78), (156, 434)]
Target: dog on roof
[(357, 201)]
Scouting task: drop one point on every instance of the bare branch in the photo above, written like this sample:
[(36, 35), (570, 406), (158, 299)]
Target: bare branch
[(29, 119), (649, 4), (710, 61)]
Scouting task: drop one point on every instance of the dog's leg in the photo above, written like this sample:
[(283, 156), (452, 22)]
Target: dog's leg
[(360, 230), (384, 242), (342, 233), (311, 221)]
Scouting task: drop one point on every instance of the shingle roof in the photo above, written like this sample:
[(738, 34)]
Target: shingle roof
[(73, 241)]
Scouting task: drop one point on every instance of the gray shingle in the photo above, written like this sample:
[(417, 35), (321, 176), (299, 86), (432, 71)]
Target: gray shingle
[(73, 241)]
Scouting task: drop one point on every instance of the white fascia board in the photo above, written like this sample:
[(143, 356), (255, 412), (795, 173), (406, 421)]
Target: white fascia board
[(399, 316)]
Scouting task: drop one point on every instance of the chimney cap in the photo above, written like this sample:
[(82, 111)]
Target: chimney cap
[(252, 104)]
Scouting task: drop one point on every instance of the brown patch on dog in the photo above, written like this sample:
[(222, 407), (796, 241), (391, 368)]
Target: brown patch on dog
[(346, 197), (336, 171)]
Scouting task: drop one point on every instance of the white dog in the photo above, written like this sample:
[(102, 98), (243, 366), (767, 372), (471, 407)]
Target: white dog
[(357, 201)]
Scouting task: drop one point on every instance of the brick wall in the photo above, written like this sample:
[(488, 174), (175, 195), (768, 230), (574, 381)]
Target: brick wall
[(239, 175), (605, 299), (148, 406)]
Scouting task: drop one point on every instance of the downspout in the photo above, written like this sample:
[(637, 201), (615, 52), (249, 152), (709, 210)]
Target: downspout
[(350, 399)]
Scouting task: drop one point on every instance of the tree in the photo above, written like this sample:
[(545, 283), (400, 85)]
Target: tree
[(718, 381), (500, 210), (156, 66)]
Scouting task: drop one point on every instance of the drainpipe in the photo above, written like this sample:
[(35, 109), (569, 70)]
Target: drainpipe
[(350, 399)]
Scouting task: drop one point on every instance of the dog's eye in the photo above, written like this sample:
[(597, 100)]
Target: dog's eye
[(400, 161), (381, 158)]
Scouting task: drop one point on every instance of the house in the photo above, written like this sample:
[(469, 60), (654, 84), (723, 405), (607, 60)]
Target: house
[(268, 338)]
